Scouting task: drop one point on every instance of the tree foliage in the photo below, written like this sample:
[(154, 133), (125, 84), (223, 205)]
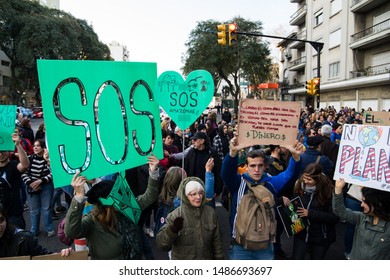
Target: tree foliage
[(29, 31), (248, 59)]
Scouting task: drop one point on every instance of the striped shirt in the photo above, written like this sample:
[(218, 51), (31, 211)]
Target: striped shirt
[(38, 170)]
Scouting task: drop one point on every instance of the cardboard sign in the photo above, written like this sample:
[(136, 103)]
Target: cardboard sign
[(376, 118), (100, 116), (265, 122), (7, 127), (184, 101), (363, 157), (79, 255)]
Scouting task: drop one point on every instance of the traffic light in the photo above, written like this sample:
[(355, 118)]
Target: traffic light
[(316, 86), (232, 34), (221, 34), (309, 87)]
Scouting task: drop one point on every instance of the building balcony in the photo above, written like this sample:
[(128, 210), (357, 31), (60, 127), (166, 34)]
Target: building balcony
[(363, 6), (299, 16), (298, 64), (371, 71), (298, 44), (377, 34)]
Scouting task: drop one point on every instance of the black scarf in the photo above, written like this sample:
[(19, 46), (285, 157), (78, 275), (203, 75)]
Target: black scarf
[(131, 241)]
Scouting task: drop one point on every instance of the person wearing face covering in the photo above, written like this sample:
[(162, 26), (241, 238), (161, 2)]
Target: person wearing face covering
[(109, 233), (315, 190), (191, 230)]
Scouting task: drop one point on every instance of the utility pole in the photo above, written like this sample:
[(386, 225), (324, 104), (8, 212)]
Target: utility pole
[(316, 45)]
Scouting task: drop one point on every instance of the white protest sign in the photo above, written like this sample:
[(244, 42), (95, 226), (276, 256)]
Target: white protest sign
[(363, 157)]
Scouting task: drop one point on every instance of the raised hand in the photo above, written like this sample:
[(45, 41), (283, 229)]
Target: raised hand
[(340, 183), (209, 165), (153, 162), (296, 150), (78, 184)]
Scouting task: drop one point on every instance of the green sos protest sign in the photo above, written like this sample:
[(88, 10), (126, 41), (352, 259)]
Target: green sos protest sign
[(100, 116)]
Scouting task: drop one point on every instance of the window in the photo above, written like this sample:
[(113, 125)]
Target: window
[(5, 63), (334, 69), (335, 39), (318, 17), (335, 7), (381, 17)]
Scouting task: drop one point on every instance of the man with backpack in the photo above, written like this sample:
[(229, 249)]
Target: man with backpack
[(253, 223)]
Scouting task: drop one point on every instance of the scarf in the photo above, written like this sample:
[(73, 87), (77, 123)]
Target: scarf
[(310, 190), (131, 241), (250, 180)]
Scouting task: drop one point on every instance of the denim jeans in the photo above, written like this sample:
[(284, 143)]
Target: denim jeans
[(56, 199), (238, 252), (23, 193), (349, 232), (41, 202)]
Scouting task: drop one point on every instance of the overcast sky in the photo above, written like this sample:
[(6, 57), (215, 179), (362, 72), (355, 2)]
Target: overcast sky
[(156, 30)]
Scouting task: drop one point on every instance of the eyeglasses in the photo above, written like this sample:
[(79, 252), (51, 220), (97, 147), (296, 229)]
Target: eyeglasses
[(196, 194), (2, 219)]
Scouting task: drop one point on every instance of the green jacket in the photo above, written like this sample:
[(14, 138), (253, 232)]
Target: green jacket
[(370, 242), (200, 237), (103, 245)]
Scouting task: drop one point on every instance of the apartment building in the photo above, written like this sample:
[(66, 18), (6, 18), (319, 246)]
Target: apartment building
[(355, 58), (54, 4), (5, 74)]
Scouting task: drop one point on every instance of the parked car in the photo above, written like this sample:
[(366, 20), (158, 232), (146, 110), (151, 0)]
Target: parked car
[(37, 112), (28, 113)]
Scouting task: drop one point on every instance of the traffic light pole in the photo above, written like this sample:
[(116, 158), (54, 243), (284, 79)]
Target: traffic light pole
[(316, 45)]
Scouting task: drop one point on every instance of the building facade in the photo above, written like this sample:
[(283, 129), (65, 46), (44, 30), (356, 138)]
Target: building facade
[(355, 58), (118, 52)]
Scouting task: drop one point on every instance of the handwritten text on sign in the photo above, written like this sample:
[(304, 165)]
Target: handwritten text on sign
[(363, 157), (7, 127), (376, 118), (265, 122)]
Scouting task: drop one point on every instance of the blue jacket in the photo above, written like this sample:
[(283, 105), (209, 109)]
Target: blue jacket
[(311, 155), (232, 180)]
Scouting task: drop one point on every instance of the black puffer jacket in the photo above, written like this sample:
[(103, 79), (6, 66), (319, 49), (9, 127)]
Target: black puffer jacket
[(24, 244), (322, 221)]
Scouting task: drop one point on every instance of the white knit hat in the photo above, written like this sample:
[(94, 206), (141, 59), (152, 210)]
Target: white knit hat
[(193, 186)]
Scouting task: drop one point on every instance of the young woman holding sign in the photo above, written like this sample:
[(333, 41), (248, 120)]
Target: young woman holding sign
[(110, 234), (372, 226)]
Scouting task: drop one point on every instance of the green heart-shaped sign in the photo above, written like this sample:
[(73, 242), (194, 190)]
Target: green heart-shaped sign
[(184, 101)]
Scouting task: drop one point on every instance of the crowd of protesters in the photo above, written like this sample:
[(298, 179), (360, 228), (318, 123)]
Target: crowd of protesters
[(199, 170)]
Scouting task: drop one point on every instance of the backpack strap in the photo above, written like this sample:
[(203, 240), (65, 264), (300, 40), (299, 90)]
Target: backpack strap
[(261, 193)]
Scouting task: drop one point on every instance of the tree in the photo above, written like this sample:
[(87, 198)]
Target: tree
[(248, 58), (30, 31)]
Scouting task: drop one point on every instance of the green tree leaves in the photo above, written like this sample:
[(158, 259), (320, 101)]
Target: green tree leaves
[(248, 59)]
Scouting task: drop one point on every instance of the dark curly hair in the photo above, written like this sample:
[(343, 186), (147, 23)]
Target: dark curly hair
[(378, 201)]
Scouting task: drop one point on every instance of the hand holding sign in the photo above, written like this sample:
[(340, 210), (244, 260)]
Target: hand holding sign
[(184, 101)]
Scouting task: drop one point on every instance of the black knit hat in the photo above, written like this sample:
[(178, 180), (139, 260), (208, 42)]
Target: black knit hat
[(101, 189), (314, 141)]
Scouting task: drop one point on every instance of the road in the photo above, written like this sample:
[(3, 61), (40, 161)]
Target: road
[(35, 123), (53, 244)]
